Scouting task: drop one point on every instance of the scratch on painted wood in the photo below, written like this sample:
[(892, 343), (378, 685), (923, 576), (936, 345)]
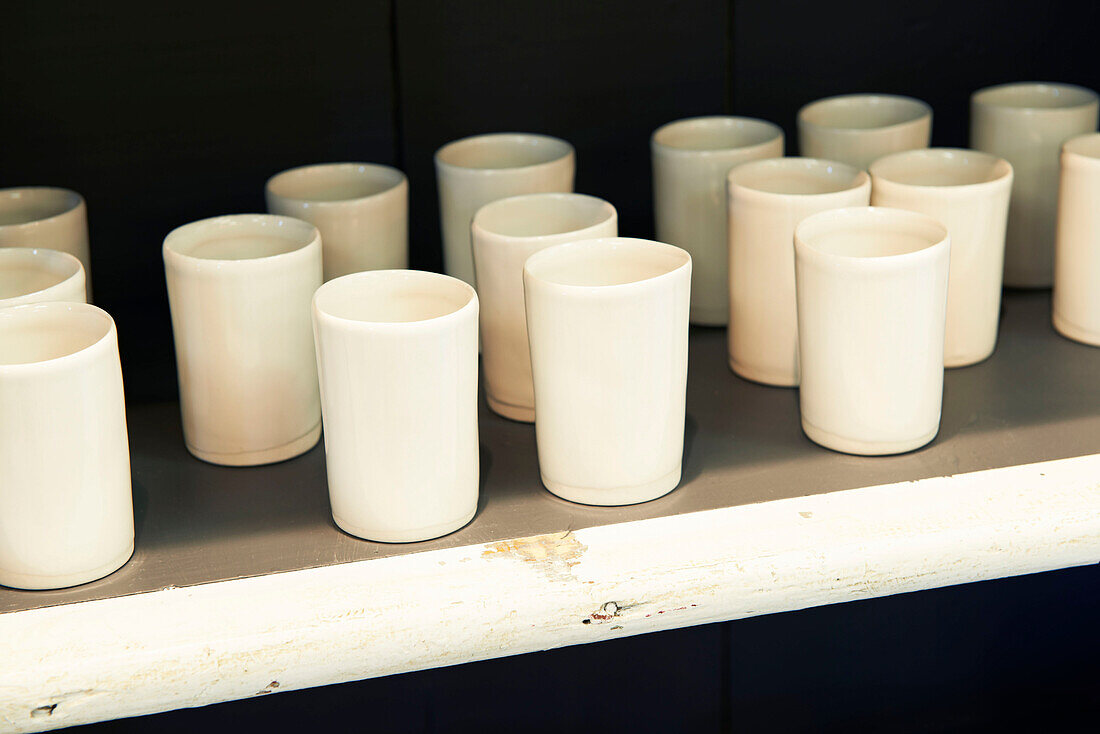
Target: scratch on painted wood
[(553, 555)]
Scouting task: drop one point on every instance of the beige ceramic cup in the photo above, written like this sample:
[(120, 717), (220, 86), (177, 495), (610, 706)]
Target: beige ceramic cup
[(1027, 124), (1077, 256), (240, 288), (66, 508), (767, 199), (361, 210), (397, 357), (858, 128), (44, 216), (37, 275), (473, 171), (872, 298), (608, 326), (691, 159), (505, 233), (968, 192)]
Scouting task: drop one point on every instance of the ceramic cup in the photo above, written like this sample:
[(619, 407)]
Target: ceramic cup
[(66, 508), (767, 199), (1027, 124), (1077, 256), (473, 171), (397, 356), (608, 325), (505, 233), (872, 298), (858, 128), (37, 275), (691, 159), (44, 216), (361, 210), (239, 288)]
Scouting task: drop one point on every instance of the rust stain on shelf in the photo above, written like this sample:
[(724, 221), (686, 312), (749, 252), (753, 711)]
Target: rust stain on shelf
[(554, 555)]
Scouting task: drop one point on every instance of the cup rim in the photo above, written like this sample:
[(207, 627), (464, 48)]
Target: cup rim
[(535, 261), (564, 151), (921, 110), (605, 208), (74, 201), (1085, 147), (87, 309), (880, 168), (711, 121), (48, 258), (173, 253), (988, 97), (396, 178), (859, 177), (829, 219), (456, 285)]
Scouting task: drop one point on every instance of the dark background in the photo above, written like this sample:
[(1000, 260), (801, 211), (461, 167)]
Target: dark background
[(161, 114)]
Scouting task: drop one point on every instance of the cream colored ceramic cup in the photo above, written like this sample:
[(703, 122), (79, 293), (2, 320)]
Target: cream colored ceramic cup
[(691, 159), (872, 298), (66, 508), (473, 171), (1026, 124), (505, 233), (44, 216), (967, 191), (397, 356), (239, 288), (1077, 255), (37, 275), (858, 128), (608, 326), (361, 210), (767, 199)]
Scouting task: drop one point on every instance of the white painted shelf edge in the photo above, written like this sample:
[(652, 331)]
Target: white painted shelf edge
[(183, 647)]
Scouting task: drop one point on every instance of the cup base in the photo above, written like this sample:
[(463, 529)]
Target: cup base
[(268, 456), (512, 412), (764, 377), (405, 536), (1074, 332), (966, 360), (35, 582), (703, 316), (616, 495), (864, 448)]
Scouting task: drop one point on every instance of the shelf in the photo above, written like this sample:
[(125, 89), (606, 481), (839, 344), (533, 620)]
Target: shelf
[(241, 584)]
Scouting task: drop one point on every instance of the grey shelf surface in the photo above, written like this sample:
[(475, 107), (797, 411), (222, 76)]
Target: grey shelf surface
[(1036, 399)]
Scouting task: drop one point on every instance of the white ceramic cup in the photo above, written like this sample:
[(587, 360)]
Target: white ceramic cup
[(397, 356), (45, 216), (473, 171), (858, 128), (1026, 124), (608, 325), (872, 297), (967, 191), (691, 159), (66, 507), (37, 275), (239, 288), (505, 233), (1077, 255), (767, 199), (361, 210)]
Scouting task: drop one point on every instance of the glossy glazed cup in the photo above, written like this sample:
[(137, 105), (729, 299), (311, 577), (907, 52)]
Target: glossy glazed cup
[(767, 199), (608, 325), (1077, 257), (691, 159), (967, 191), (471, 172), (397, 356), (505, 233), (361, 210), (1027, 124), (240, 288), (45, 216), (66, 507), (859, 128), (872, 298), (37, 275)]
